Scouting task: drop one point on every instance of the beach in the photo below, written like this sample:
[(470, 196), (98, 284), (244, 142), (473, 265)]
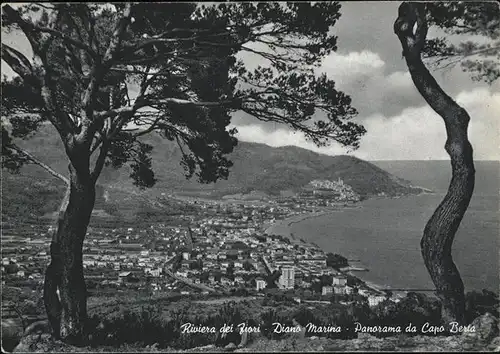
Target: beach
[(284, 227)]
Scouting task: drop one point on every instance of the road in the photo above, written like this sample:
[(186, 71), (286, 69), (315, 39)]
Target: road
[(190, 283), (223, 300)]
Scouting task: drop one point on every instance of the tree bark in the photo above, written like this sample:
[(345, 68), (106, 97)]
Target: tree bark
[(440, 230), (65, 293)]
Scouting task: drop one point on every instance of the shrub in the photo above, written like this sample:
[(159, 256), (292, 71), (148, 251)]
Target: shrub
[(146, 327), (479, 303), (415, 308), (267, 327), (304, 316)]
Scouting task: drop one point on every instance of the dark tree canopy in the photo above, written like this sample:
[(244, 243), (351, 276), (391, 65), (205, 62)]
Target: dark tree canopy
[(104, 75)]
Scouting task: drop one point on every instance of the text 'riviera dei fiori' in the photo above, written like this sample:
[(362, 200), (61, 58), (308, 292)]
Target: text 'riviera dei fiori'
[(243, 327)]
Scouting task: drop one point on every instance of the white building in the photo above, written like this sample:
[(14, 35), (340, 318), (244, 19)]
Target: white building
[(260, 284), (326, 290), (339, 290), (287, 278), (349, 289), (363, 292), (339, 280), (153, 272), (374, 300)]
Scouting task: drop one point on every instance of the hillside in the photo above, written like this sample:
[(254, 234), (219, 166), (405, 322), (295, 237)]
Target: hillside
[(257, 167)]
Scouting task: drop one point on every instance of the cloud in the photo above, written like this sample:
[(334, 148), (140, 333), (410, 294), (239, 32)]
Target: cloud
[(417, 133), (363, 75), (283, 137), (483, 106), (352, 64), (399, 79)]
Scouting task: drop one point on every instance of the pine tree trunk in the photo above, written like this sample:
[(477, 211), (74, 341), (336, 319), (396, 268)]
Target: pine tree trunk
[(440, 231), (65, 293)]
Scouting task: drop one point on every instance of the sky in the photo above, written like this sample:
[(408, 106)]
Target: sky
[(369, 67)]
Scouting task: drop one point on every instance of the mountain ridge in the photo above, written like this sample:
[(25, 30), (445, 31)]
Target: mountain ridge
[(257, 167)]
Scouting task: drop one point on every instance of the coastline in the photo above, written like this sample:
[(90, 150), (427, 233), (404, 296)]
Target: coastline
[(284, 228), (398, 223)]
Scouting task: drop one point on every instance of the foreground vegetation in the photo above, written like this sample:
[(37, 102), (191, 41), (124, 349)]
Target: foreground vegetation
[(139, 322)]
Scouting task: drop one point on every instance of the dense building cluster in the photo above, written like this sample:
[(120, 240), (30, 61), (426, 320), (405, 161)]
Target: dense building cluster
[(337, 189), (223, 249)]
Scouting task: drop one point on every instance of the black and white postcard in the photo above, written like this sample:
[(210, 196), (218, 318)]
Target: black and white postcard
[(250, 176)]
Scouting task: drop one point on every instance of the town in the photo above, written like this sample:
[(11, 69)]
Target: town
[(216, 249)]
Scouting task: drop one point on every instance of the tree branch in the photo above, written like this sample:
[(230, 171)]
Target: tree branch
[(16, 17), (160, 38), (409, 14), (40, 163), (17, 61), (180, 101), (422, 26), (115, 44), (100, 161), (100, 69), (152, 127), (137, 105), (152, 103), (457, 57), (67, 40), (403, 27), (47, 88), (158, 74)]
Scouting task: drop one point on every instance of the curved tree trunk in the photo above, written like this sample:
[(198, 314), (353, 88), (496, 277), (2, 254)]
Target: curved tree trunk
[(439, 233), (65, 293)]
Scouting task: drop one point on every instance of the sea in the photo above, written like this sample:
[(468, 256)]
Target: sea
[(383, 234)]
